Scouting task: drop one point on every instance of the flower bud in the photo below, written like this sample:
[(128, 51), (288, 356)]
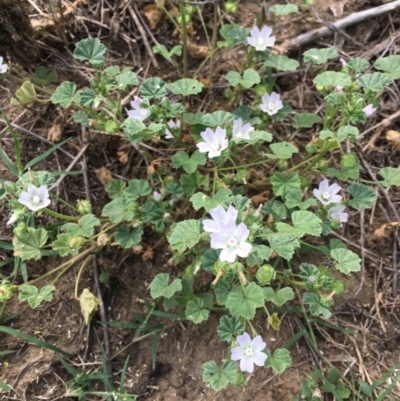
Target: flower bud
[(265, 274), (20, 230), (83, 206), (157, 196), (231, 7), (102, 240)]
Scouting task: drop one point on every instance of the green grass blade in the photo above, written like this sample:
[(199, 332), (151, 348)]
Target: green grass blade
[(11, 351), (4, 386), (17, 144), (6, 245), (45, 154), (70, 369), (31, 339), (123, 375), (7, 162)]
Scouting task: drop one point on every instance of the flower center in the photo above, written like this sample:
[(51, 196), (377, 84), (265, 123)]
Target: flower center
[(260, 42), (311, 279), (239, 134), (248, 351), (232, 241), (215, 145), (326, 195), (271, 106), (143, 112), (35, 199)]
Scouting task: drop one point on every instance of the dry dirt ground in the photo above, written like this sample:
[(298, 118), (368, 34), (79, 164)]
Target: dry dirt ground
[(368, 310)]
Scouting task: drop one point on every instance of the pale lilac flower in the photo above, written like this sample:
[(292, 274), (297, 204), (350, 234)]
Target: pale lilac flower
[(138, 112), (261, 39), (173, 125), (232, 241), (14, 217), (343, 61), (271, 104), (327, 193), (336, 213), (249, 352), (35, 198), (3, 66), (258, 211), (214, 142), (339, 89), (196, 269), (157, 196), (369, 109), (220, 217), (241, 131)]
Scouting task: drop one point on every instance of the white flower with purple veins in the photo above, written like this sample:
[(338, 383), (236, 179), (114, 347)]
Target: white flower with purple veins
[(173, 125), (35, 198), (214, 142), (220, 217), (370, 109), (249, 352), (138, 112), (157, 196), (271, 104), (326, 193), (241, 131), (3, 66), (232, 240), (336, 213), (261, 39)]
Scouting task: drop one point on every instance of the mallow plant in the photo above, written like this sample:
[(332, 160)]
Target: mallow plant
[(255, 254)]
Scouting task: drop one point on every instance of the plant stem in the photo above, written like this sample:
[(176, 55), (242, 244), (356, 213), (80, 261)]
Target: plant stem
[(184, 39), (59, 215)]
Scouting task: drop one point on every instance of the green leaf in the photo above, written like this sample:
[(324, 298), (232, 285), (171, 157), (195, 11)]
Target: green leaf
[(126, 78), (363, 196), (189, 164), (153, 88), (374, 82), (115, 188), (81, 117), (29, 244), (319, 56), (200, 200), (175, 190), (282, 63), (65, 245), (293, 200), (186, 87), (135, 130), (190, 182), (391, 176), (161, 49), (346, 132), (218, 118), (347, 261), (245, 303), (304, 222), (118, 210), (91, 50), (137, 189), (65, 94), (279, 361), (358, 64), (332, 78), (85, 228), (159, 287), (283, 244), (250, 78), (43, 76), (195, 311), (283, 9), (219, 378), (229, 328), (256, 136), (316, 308), (280, 297), (282, 150), (34, 296), (390, 65), (128, 238), (305, 120), (25, 94), (281, 185), (185, 234)]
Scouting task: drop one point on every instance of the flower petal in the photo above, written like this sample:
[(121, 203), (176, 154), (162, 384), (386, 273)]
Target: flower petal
[(244, 340), (259, 358), (246, 364), (237, 353), (258, 343)]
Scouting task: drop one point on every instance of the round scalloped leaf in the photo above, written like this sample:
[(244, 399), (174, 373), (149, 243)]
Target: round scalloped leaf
[(91, 50)]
